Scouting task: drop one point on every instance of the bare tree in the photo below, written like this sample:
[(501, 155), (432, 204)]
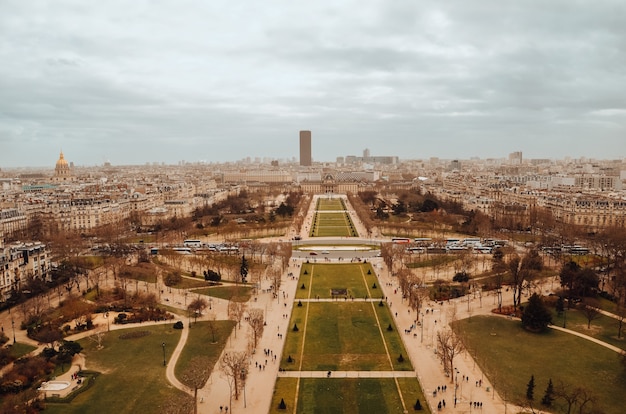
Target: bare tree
[(98, 337), (257, 323), (574, 397), (232, 365), (196, 307), (449, 346), (236, 310), (212, 327), (196, 375), (591, 311)]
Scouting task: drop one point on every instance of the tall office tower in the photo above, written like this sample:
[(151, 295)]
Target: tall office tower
[(366, 154), (305, 148), (515, 157)]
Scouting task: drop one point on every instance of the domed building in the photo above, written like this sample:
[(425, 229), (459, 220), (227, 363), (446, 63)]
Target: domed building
[(62, 171)]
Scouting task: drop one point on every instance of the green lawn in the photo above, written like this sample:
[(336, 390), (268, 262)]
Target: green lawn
[(335, 204), (350, 395), (234, 292), (321, 278), (326, 224), (19, 349), (201, 343), (319, 395), (604, 328), (343, 336), (285, 389), (509, 355), (133, 376)]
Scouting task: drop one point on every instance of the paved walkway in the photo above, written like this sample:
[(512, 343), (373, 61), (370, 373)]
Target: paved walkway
[(347, 374)]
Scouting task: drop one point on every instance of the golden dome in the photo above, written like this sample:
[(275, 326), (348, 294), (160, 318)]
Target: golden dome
[(61, 162), (62, 168)]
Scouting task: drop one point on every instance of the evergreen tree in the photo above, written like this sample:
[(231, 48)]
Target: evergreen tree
[(536, 316), (530, 388), (243, 271), (548, 397)]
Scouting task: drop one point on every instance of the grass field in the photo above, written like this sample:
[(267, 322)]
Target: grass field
[(321, 278), (343, 334), (232, 292), (200, 343), (330, 204), (604, 328), (345, 337), (332, 220), (332, 224), (133, 376), (347, 395), (509, 355)]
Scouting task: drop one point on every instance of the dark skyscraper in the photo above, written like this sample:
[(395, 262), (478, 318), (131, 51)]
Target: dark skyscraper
[(305, 148)]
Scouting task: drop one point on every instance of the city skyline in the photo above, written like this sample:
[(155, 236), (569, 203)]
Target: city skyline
[(218, 82)]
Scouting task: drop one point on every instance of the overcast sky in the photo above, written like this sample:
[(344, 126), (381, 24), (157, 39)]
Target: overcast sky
[(140, 81)]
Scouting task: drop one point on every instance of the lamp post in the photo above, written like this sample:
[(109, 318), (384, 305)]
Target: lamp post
[(12, 324), (163, 345), (456, 385), (243, 380), (422, 334)]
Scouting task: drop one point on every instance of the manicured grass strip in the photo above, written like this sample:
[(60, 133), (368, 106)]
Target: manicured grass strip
[(329, 204), (200, 343), (293, 342), (509, 355), (325, 277), (372, 282), (133, 376), (348, 396), (343, 336), (243, 293), (412, 391), (334, 223), (285, 389), (393, 339)]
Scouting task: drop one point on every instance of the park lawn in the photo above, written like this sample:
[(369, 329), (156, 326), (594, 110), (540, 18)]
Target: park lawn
[(324, 277), (133, 376), (306, 279), (509, 355), (330, 224), (343, 336), (239, 293), (19, 349), (285, 389), (293, 342), (431, 260), (392, 338), (329, 205), (349, 396), (411, 392), (371, 280), (604, 328), (201, 343)]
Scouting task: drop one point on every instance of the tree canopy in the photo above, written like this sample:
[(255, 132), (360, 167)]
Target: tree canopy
[(536, 316)]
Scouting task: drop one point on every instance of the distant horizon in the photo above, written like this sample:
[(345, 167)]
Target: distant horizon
[(51, 165)]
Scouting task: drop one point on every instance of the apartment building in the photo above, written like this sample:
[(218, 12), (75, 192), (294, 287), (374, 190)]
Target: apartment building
[(20, 261)]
